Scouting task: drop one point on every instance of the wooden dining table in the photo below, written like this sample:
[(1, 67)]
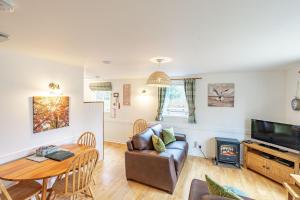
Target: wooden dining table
[(24, 169)]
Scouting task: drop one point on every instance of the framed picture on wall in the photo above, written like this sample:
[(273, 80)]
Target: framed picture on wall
[(221, 95), (50, 112), (126, 94)]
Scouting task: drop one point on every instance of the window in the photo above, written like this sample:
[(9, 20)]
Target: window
[(104, 96), (175, 103)]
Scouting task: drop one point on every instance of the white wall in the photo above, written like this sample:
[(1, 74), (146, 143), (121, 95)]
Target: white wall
[(23, 77), (142, 106), (257, 95)]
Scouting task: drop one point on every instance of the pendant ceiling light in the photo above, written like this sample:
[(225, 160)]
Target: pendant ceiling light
[(159, 78)]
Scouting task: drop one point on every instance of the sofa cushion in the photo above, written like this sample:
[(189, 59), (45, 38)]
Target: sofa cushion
[(178, 155), (157, 129), (158, 144), (199, 191), (143, 141), (213, 197), (178, 145), (168, 135), (216, 189)]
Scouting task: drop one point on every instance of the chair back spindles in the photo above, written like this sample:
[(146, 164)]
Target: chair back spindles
[(81, 171), (139, 126), (88, 139)]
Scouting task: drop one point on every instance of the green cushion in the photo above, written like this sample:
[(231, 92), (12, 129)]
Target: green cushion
[(216, 189), (158, 144), (168, 135)]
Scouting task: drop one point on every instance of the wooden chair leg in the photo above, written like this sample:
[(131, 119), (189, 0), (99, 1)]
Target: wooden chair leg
[(94, 180), (290, 197), (37, 197), (50, 194), (92, 193)]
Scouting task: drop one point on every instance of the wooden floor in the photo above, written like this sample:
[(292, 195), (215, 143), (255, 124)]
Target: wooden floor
[(112, 184)]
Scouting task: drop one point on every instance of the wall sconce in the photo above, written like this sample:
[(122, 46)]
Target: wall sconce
[(54, 88)]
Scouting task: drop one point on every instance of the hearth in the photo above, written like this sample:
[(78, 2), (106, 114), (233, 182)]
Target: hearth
[(228, 151)]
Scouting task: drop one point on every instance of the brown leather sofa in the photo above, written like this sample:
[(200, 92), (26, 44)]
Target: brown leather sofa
[(199, 191), (161, 170)]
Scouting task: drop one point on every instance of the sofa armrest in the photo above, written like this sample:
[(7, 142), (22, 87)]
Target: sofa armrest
[(153, 170), (129, 145), (180, 137)]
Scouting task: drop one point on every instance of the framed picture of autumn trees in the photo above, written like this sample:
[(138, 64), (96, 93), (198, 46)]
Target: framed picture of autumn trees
[(50, 112)]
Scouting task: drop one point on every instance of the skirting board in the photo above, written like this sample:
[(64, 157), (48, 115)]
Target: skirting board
[(114, 141)]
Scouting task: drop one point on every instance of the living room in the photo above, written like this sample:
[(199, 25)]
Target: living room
[(165, 99)]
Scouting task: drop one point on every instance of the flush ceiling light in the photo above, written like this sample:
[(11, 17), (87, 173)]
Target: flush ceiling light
[(160, 60), (159, 78)]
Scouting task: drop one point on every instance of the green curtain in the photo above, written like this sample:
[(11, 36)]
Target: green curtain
[(189, 88), (161, 101)]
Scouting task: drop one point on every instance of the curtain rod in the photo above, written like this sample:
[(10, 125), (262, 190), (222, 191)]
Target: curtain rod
[(176, 79)]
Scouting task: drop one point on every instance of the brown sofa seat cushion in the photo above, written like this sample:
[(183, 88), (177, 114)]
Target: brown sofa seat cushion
[(143, 141), (199, 191), (157, 129), (178, 145), (178, 155)]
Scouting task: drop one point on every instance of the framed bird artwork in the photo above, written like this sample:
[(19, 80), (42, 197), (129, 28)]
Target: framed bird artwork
[(221, 95)]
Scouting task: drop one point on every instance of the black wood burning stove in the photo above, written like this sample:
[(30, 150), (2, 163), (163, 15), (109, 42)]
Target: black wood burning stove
[(228, 151)]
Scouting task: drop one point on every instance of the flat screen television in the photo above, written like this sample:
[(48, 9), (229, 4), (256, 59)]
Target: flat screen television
[(285, 135)]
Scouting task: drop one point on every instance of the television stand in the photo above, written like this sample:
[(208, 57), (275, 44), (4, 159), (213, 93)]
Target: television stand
[(271, 163), (271, 147)]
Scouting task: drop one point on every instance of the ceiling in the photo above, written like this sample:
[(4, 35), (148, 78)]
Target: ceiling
[(200, 36)]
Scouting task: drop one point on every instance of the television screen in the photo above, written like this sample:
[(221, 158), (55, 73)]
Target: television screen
[(285, 135)]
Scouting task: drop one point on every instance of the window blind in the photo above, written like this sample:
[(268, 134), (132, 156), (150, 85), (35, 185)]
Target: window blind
[(101, 86)]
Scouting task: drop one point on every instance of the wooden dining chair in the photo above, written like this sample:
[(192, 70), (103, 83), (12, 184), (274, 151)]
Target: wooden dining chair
[(23, 190), (78, 178), (88, 139), (139, 126)]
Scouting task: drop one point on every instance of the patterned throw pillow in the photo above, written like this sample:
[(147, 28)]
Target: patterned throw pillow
[(216, 189), (168, 135), (158, 144)]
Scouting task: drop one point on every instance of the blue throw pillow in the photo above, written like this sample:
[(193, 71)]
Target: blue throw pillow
[(235, 191)]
